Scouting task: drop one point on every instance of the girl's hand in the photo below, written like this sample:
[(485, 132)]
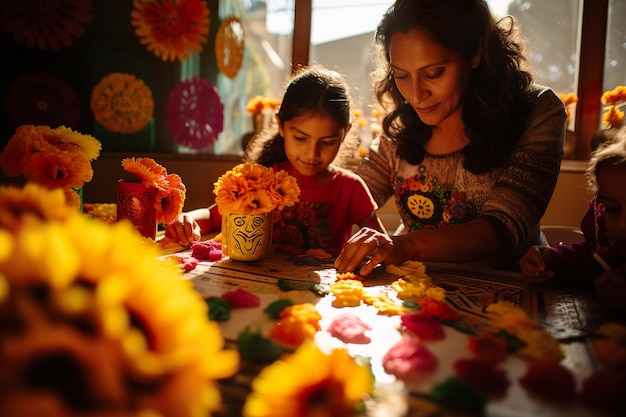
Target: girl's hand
[(367, 245), (184, 231), (534, 265)]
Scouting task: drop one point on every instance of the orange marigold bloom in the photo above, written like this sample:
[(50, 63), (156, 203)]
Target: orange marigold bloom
[(172, 29), (58, 169), (151, 173), (170, 201), (122, 103)]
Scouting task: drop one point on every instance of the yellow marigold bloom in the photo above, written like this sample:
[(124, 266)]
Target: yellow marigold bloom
[(384, 304), (251, 188), (347, 292), (171, 29), (510, 317), (87, 144), (31, 205), (310, 383), (540, 345), (122, 103), (613, 117), (95, 302)]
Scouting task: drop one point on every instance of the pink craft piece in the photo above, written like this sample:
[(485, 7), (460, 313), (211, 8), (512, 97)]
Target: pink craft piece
[(423, 325), (409, 359), (241, 298), (195, 113), (349, 328)]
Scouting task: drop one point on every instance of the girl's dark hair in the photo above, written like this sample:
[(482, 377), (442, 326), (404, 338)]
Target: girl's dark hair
[(312, 90), (495, 105)]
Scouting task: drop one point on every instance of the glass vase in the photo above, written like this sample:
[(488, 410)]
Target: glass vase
[(246, 237), (136, 202)]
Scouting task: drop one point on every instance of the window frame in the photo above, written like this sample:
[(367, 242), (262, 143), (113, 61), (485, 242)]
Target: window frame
[(591, 45)]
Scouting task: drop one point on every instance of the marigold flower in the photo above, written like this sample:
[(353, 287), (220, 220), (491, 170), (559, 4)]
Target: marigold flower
[(510, 317), (309, 382), (540, 345), (251, 188), (110, 318)]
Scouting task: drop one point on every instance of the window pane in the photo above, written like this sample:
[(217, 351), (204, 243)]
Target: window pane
[(615, 60)]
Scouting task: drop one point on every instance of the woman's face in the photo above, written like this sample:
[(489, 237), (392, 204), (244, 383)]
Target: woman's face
[(430, 77), (612, 193)]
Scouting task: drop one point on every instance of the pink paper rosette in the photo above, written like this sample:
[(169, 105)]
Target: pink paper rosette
[(42, 98), (195, 114)]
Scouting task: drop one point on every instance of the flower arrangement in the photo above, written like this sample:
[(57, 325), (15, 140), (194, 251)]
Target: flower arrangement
[(259, 103), (171, 191), (614, 117), (98, 319), (53, 158), (251, 188)]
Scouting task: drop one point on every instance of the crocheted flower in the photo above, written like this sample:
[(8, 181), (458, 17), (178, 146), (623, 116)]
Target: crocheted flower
[(309, 382), (122, 103), (171, 29), (42, 98), (195, 113), (229, 44), (99, 326), (422, 325), (409, 359), (44, 23)]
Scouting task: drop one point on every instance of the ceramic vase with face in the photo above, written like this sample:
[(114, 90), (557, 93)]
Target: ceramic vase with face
[(246, 237), (135, 202)]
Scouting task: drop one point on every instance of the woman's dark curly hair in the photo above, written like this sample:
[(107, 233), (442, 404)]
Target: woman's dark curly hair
[(495, 106), (312, 90)]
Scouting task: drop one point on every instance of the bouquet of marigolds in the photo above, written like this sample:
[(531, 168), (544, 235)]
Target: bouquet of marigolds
[(53, 158), (94, 323), (171, 191), (251, 188)]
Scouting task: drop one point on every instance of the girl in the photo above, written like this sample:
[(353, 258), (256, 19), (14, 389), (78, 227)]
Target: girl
[(602, 254), (312, 122)]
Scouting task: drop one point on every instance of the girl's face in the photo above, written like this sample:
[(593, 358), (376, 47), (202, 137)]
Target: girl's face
[(430, 77), (611, 181), (311, 142)]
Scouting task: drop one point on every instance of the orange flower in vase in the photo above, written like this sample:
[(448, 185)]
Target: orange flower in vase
[(154, 197), (53, 158), (245, 197)]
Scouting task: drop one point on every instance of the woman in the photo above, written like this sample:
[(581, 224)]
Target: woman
[(471, 147)]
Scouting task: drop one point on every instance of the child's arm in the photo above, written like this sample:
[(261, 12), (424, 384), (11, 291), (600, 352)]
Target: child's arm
[(190, 226)]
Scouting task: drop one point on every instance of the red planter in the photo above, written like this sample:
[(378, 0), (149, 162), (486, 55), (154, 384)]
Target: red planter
[(135, 202)]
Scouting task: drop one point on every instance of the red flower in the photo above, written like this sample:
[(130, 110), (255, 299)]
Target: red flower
[(423, 325), (438, 309), (549, 380), (488, 346)]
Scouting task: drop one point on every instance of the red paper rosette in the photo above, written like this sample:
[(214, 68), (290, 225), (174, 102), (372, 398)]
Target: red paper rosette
[(195, 114), (46, 23), (42, 98), (229, 43)]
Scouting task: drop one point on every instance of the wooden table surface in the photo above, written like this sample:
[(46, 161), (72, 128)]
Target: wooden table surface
[(566, 314)]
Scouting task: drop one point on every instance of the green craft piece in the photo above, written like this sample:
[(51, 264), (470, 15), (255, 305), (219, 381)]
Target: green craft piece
[(274, 308), (456, 394), (219, 309), (289, 285), (513, 343), (253, 346)]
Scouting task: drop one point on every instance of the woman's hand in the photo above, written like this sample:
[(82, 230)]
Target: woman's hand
[(367, 245), (534, 265), (184, 231)]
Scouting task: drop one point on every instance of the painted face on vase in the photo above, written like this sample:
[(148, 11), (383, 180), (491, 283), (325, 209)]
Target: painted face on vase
[(250, 235)]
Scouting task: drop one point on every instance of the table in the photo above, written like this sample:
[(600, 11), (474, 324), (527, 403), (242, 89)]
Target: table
[(469, 289)]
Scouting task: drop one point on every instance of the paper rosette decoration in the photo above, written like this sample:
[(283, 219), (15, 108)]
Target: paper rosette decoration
[(195, 113), (46, 23), (122, 103), (42, 98), (229, 43), (171, 29)]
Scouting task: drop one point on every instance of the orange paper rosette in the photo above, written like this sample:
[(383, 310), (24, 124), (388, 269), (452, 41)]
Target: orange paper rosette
[(122, 103), (172, 29), (229, 43)]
